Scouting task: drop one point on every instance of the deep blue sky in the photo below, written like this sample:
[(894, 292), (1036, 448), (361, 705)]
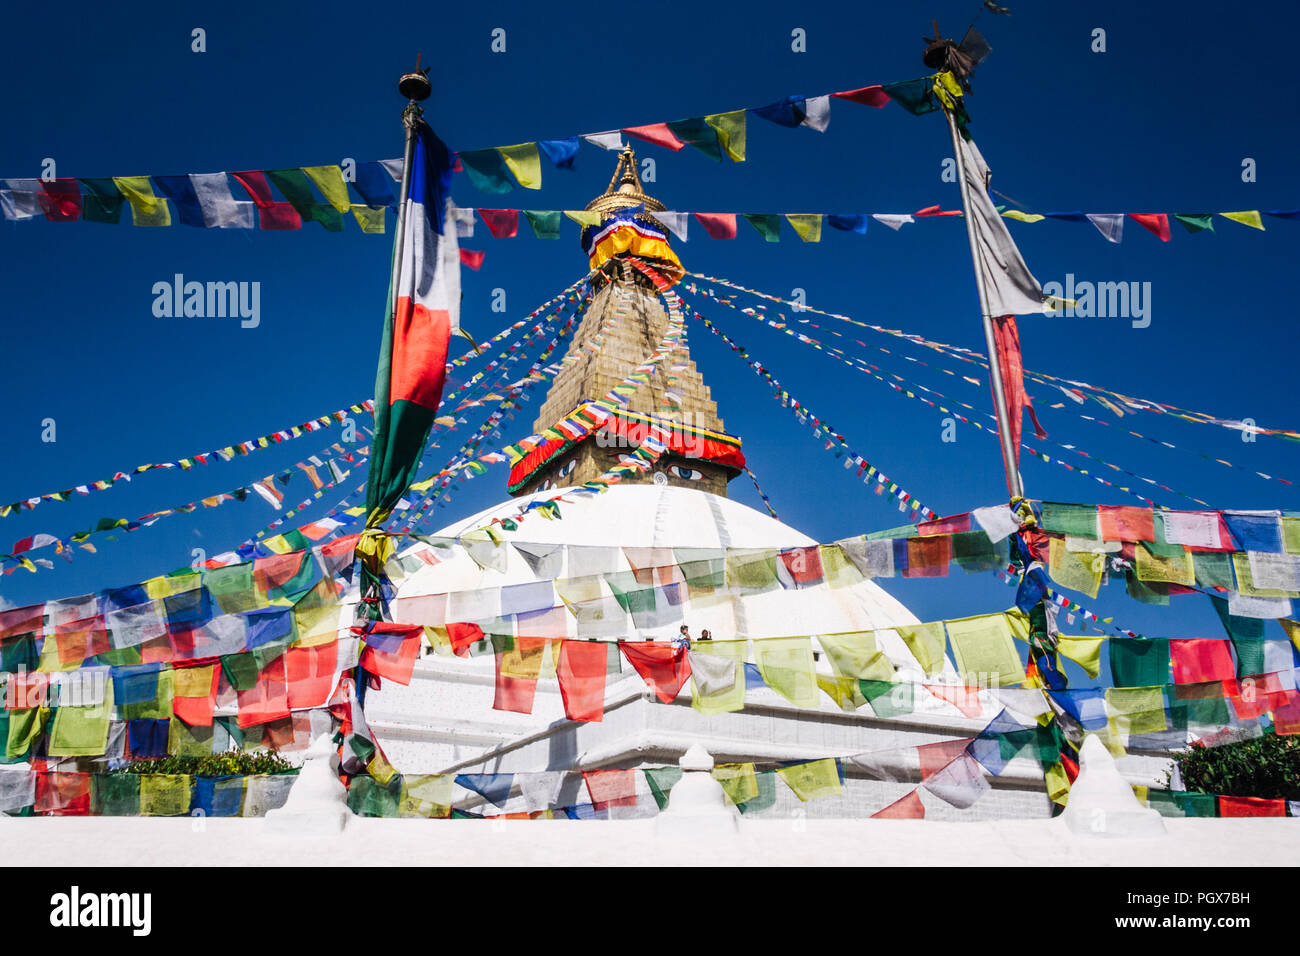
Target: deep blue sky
[(1159, 122)]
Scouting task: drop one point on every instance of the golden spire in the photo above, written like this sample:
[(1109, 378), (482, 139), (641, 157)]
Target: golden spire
[(624, 189)]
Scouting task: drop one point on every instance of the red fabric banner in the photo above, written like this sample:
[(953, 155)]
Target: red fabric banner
[(309, 672), (1198, 661), (394, 650), (867, 96), (197, 711), (1251, 807), (268, 699), (581, 672), (657, 133), (1006, 340), (663, 667), (719, 225), (1125, 523), (517, 675), (908, 808), (611, 788), (502, 223), (462, 636), (1156, 222), (270, 214), (62, 200)]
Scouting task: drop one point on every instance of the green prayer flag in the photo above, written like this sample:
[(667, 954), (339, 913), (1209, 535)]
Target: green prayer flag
[(232, 588), (1195, 222), (102, 201), (115, 794), (25, 727), (1138, 662), (766, 798), (545, 223), (915, 96), (698, 132), (1078, 521), (296, 188), (767, 224), (487, 170), (241, 670), (889, 699), (367, 797), (661, 780), (1198, 804)]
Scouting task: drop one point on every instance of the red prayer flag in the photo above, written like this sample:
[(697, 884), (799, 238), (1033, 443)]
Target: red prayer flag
[(270, 214), (268, 699), (611, 788), (1251, 807), (909, 808), (934, 757), (1125, 523), (462, 636), (936, 211), (1198, 661), (391, 650), (965, 699), (62, 200), (663, 667), (1157, 222), (515, 692), (955, 524), (928, 557), (62, 793), (581, 672), (309, 672), (502, 223), (803, 565), (719, 225), (1006, 338), (472, 259), (657, 133), (867, 96)]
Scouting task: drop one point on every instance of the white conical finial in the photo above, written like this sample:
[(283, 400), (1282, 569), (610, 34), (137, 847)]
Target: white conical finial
[(698, 806), (1102, 804), (318, 801)]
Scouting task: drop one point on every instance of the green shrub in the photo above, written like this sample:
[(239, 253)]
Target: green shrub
[(213, 765), (1267, 766)]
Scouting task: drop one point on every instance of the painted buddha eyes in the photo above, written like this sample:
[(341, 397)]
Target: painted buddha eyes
[(687, 474), (567, 468)]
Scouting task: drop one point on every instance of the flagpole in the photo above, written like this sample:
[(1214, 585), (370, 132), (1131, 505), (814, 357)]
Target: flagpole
[(995, 368), (415, 86)]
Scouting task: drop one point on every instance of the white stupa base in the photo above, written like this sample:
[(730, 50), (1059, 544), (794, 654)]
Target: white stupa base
[(698, 807), (1102, 804), (318, 803)]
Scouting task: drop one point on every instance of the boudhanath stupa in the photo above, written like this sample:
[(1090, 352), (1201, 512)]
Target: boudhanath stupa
[(444, 721)]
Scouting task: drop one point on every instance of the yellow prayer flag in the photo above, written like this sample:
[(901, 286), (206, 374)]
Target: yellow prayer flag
[(192, 681), (808, 225), (583, 218), (718, 676), (164, 794), (371, 221), (1136, 710), (926, 642), (1172, 569), (730, 128), (165, 586), (1077, 570), (1019, 216), (381, 769), (147, 209), (813, 780), (1249, 217), (984, 652), (856, 656), (786, 665), (843, 690), (947, 89), (279, 544), (316, 625), (1246, 579), (329, 180), (1084, 651), (426, 795), (839, 570), (525, 163), (1058, 783), (738, 781), (1292, 629)]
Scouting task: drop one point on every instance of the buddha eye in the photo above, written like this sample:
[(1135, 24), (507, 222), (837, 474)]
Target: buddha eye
[(687, 474), (567, 468)]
